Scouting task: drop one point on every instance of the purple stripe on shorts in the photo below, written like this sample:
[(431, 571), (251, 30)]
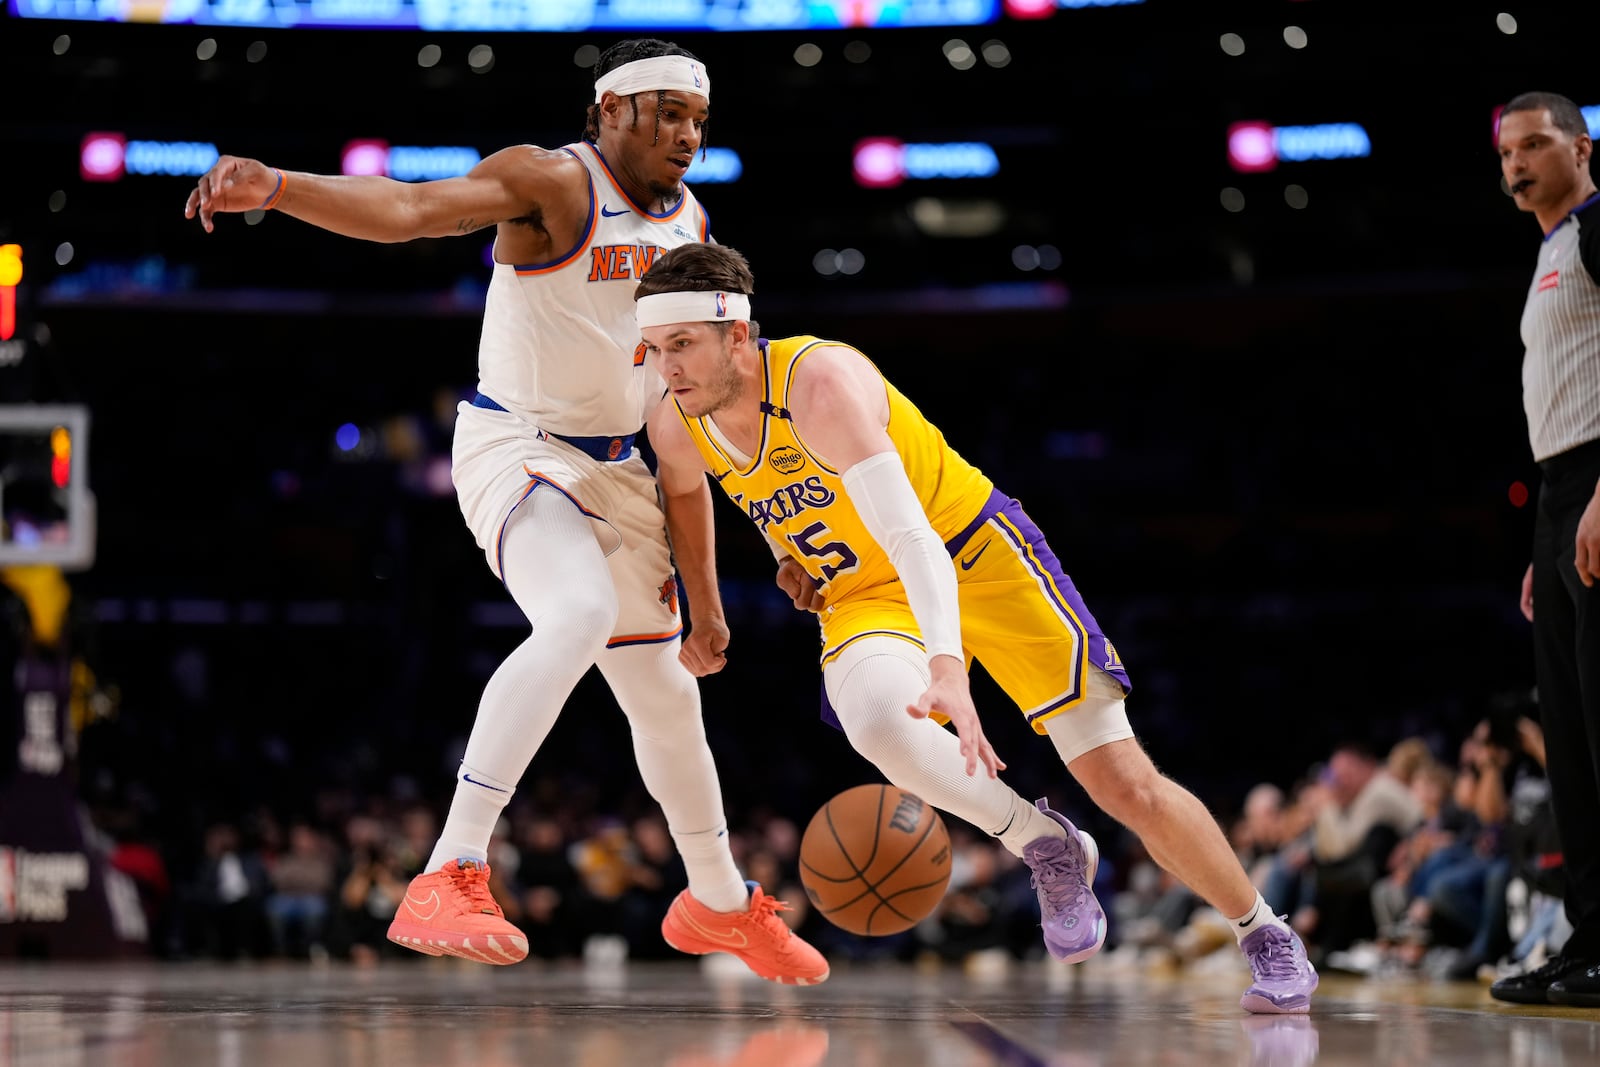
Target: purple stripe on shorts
[(1068, 599), (1032, 539), (830, 716)]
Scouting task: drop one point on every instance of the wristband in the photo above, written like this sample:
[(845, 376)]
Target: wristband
[(277, 192)]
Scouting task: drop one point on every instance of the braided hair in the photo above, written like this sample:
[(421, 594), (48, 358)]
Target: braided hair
[(626, 52)]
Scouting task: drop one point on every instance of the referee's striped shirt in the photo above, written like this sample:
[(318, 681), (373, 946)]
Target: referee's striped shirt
[(1561, 329)]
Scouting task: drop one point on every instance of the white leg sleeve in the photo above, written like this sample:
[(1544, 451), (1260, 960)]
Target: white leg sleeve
[(662, 702), (558, 577), (869, 692)]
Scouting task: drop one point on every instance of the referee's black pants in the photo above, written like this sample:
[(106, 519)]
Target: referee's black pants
[(1566, 642)]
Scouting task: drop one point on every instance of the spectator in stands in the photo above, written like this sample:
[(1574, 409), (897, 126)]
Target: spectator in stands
[(371, 882), (1359, 814), (230, 889), (302, 887), (555, 904), (1259, 833)]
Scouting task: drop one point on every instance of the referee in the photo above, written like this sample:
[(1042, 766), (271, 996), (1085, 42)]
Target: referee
[(1544, 156)]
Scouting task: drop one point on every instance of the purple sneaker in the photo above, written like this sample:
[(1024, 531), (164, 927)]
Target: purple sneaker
[(1063, 871), (1285, 979)]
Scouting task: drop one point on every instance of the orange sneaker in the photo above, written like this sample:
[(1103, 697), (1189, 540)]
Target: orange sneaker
[(757, 936), (450, 912)]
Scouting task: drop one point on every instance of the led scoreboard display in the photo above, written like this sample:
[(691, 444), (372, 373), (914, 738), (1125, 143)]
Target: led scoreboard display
[(512, 15)]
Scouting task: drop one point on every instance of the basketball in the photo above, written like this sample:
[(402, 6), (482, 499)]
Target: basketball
[(875, 860)]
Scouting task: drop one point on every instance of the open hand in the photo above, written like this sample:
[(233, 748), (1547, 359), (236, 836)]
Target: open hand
[(949, 695), (232, 184)]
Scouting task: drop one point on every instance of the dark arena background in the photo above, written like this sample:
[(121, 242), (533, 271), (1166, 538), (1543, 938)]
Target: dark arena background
[(1226, 294)]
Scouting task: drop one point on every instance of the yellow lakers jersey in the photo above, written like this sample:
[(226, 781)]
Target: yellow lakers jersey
[(799, 501)]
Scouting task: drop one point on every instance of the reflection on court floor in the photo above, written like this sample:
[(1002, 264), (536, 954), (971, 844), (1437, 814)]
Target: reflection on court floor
[(434, 1013)]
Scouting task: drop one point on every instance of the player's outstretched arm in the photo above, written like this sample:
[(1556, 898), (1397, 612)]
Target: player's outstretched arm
[(514, 183), (686, 501)]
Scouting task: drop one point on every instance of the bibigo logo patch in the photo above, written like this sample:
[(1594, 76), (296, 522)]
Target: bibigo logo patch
[(786, 459)]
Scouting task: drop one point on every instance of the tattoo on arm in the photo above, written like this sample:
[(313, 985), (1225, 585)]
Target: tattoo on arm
[(469, 225)]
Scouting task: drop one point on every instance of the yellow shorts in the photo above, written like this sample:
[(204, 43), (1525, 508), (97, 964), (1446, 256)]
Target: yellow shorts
[(1021, 616)]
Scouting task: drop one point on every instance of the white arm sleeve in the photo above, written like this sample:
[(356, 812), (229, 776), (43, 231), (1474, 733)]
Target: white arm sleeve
[(893, 515)]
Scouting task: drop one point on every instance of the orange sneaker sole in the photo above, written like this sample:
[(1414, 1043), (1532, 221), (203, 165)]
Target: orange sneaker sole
[(482, 948)]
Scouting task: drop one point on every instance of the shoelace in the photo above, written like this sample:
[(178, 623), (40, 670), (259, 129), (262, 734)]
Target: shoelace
[(764, 910), (1274, 958), (1061, 878), (472, 881)]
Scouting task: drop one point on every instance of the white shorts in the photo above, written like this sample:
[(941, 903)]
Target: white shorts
[(499, 461)]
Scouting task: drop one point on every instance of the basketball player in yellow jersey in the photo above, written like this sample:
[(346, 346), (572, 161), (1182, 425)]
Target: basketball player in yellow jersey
[(914, 562)]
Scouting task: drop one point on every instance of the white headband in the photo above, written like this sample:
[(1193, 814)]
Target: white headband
[(664, 309), (662, 72)]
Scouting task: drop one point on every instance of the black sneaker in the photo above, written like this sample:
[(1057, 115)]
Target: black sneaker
[(1578, 990), (1534, 986)]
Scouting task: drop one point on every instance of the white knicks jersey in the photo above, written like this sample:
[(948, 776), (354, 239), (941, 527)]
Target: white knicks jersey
[(560, 347)]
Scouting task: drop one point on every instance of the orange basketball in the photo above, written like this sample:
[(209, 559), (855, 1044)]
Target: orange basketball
[(875, 860)]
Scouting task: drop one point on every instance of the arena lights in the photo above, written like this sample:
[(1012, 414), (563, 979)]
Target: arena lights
[(106, 157), (884, 162), (407, 163), (1259, 146), (10, 277), (529, 15), (720, 165), (101, 155), (60, 456), (1038, 9)]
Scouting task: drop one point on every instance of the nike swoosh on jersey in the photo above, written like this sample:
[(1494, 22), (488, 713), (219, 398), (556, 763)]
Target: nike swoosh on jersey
[(967, 563), (431, 898), (497, 789), (727, 937), (605, 209)]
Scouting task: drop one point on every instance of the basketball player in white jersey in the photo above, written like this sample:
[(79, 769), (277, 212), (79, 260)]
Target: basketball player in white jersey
[(554, 491)]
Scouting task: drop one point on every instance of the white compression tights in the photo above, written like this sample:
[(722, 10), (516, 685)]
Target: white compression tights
[(870, 694), (662, 702), (557, 575)]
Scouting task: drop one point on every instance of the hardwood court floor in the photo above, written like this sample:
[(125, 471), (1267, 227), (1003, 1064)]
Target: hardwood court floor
[(439, 1013)]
